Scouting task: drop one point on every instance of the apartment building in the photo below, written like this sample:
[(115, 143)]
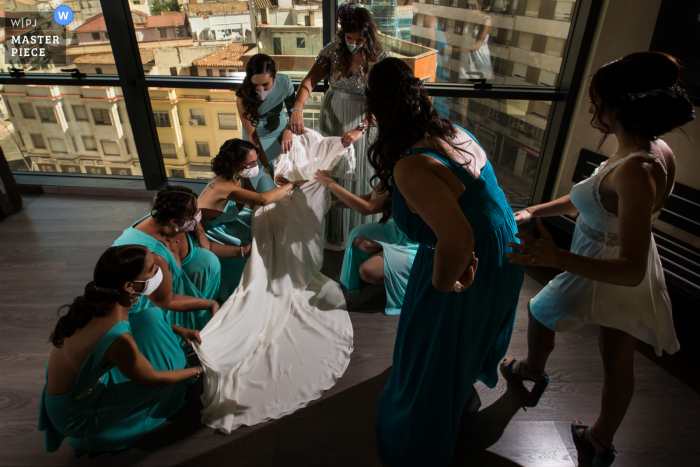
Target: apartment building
[(70, 129), (525, 47)]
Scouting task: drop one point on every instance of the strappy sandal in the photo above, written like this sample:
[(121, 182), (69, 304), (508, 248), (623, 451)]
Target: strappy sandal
[(520, 378), (600, 459)]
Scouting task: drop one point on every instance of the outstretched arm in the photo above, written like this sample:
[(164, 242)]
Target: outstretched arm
[(636, 192), (126, 357), (365, 204)]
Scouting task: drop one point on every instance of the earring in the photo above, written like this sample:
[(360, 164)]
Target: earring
[(177, 229), (235, 176), (133, 299)]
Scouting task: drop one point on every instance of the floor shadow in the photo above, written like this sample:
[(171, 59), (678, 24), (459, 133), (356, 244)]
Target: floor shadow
[(481, 429)]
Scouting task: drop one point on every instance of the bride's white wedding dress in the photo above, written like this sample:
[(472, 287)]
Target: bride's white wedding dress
[(284, 336)]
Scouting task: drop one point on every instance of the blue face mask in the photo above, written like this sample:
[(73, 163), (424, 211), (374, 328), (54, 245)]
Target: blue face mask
[(353, 48)]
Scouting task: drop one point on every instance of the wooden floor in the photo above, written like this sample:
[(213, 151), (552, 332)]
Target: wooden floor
[(47, 254)]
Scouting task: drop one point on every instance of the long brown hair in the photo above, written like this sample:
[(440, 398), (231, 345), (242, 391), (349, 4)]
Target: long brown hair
[(404, 115), (257, 65), (117, 266), (356, 19)]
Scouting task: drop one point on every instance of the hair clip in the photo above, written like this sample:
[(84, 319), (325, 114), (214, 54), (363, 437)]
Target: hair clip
[(154, 212), (107, 290), (674, 91)]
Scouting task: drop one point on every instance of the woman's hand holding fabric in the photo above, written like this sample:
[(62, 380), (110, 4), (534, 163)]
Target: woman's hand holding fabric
[(296, 123), (287, 140), (350, 137), (323, 177)]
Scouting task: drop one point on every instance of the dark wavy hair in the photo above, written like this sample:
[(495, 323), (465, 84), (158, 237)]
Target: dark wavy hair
[(231, 156), (404, 115), (257, 65), (117, 266), (175, 202), (640, 86), (356, 19)]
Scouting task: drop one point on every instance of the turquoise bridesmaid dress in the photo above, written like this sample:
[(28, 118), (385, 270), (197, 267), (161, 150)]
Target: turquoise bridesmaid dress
[(273, 121), (399, 254), (232, 227), (446, 341), (199, 276), (105, 411)]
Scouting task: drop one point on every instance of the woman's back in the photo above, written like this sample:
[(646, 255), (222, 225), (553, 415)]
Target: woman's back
[(470, 177), (66, 362)]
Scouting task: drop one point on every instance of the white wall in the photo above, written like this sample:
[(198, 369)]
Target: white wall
[(626, 26)]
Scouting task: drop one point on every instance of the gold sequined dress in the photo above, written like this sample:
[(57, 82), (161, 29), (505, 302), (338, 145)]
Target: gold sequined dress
[(342, 110)]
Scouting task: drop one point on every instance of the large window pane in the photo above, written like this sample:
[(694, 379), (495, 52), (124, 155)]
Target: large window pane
[(210, 38), (511, 131), (504, 41), (67, 129), (193, 124)]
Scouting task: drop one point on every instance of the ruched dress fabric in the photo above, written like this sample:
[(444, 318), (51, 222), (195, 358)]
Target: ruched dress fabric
[(570, 301), (284, 336), (232, 227), (105, 411), (399, 254), (199, 276), (342, 109), (446, 341), (273, 121)]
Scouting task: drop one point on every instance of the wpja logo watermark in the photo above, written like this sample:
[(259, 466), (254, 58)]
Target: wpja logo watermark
[(36, 40)]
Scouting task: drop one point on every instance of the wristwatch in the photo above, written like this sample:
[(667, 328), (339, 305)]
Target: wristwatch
[(362, 126)]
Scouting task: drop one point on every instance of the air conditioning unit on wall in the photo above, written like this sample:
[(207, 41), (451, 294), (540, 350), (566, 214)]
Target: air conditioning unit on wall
[(193, 122)]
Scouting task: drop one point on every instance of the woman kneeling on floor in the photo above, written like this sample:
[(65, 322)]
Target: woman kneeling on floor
[(113, 377)]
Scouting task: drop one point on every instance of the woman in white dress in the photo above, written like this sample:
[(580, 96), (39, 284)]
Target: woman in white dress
[(613, 276), (479, 65)]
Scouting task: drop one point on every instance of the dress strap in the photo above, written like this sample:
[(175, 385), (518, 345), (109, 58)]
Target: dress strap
[(106, 341), (464, 176), (210, 182)]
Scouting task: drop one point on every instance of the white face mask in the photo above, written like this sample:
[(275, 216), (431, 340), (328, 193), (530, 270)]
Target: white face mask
[(263, 94), (151, 284), (249, 173)]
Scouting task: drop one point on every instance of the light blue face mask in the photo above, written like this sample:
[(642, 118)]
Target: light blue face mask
[(353, 48)]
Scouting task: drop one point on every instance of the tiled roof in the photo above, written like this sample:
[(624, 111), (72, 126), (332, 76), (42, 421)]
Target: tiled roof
[(97, 23), (165, 20), (259, 4), (107, 58), (202, 9), (228, 55)]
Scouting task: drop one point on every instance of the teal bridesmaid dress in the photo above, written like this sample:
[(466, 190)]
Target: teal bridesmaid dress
[(199, 276), (399, 254), (105, 411), (446, 341), (232, 227), (273, 121)]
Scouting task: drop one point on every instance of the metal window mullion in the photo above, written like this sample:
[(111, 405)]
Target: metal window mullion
[(584, 22), (125, 47)]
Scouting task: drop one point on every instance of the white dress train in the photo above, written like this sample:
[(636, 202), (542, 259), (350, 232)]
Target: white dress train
[(284, 336)]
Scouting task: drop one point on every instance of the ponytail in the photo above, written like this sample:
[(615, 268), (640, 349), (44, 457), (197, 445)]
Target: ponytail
[(95, 303), (117, 266)]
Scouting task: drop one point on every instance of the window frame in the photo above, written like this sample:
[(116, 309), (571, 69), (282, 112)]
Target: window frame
[(134, 84)]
